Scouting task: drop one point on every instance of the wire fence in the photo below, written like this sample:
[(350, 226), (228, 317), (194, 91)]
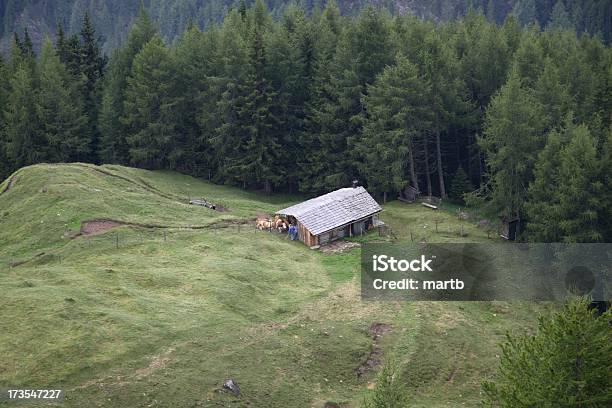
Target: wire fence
[(118, 239)]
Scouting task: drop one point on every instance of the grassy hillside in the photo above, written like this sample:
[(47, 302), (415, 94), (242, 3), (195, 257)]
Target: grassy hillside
[(161, 309)]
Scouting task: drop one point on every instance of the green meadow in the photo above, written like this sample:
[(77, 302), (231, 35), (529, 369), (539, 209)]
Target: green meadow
[(160, 310)]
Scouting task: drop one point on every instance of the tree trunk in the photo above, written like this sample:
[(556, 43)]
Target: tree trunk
[(385, 197), (427, 172), (267, 187), (480, 169), (440, 173), (413, 177)]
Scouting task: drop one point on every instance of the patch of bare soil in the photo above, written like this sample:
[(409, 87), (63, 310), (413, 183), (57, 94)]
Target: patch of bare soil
[(376, 331), (157, 363), (221, 208), (95, 227), (338, 247)]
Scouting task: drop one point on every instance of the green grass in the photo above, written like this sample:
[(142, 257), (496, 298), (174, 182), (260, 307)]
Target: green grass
[(162, 318)]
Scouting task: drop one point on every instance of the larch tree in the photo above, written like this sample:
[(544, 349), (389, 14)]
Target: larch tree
[(566, 363), (396, 116), (511, 141)]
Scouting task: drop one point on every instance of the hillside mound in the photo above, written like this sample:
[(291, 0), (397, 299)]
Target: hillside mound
[(46, 204)]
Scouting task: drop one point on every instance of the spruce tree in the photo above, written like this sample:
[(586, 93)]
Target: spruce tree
[(260, 163), (113, 144), (319, 111), (60, 110), (460, 185), (193, 63), (148, 107), (92, 64), (24, 143), (222, 124)]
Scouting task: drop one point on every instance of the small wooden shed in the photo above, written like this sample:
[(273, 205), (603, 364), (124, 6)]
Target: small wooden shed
[(510, 228), (341, 213)]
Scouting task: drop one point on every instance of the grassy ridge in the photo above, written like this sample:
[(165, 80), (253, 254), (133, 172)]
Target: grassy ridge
[(164, 318)]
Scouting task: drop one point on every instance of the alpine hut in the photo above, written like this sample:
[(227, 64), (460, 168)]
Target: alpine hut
[(341, 213)]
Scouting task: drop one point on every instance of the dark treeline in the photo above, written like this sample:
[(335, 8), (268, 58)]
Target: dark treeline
[(517, 117), (112, 18)]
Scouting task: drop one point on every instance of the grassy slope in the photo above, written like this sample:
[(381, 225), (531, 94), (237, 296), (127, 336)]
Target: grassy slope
[(165, 318)]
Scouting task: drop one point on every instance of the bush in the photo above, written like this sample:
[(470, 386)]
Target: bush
[(567, 363)]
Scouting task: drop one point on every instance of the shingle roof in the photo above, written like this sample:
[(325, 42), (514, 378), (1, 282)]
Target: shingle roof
[(333, 209)]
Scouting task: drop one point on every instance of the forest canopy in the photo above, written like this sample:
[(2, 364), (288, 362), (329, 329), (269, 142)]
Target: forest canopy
[(507, 113)]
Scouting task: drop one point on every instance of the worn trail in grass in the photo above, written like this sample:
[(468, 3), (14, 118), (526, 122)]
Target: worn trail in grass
[(139, 317)]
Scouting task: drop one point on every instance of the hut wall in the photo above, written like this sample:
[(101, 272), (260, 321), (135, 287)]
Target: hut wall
[(305, 236)]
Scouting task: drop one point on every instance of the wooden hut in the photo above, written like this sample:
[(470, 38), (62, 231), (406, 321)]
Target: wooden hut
[(408, 194), (510, 228), (341, 213)]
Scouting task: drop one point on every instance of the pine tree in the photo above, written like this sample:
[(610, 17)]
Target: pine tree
[(565, 364), (148, 107), (60, 110)]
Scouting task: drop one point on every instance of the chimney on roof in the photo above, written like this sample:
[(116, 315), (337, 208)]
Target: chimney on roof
[(355, 183)]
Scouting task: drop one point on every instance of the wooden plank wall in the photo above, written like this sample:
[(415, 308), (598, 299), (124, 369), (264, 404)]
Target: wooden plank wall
[(305, 236)]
